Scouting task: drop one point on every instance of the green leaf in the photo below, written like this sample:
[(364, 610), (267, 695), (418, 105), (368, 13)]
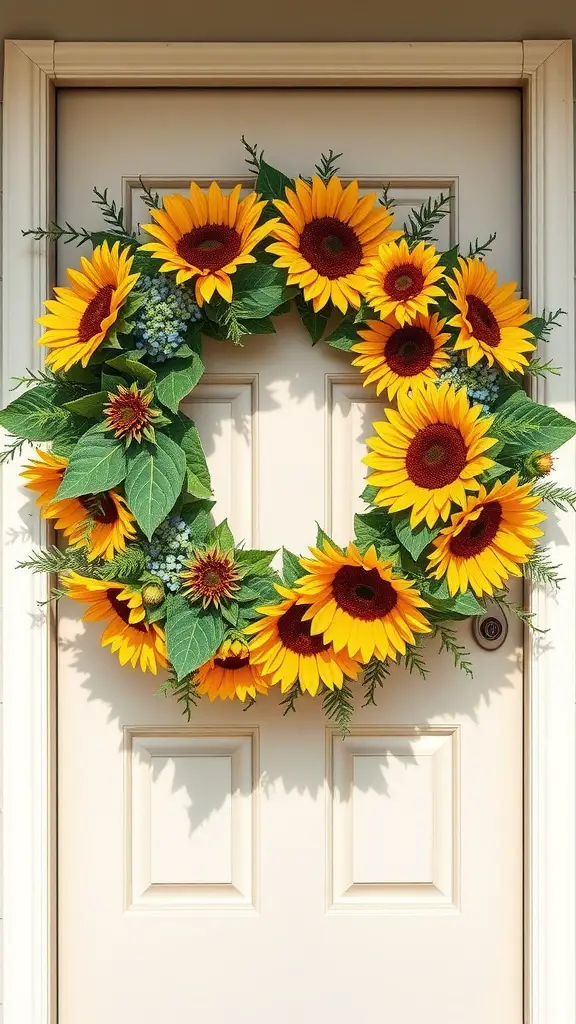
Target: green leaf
[(154, 479), (176, 379), (369, 493), (493, 473), (193, 634), (155, 614), (315, 323), (372, 527), (198, 516), (90, 405), (525, 426), (38, 414), (437, 594), (110, 381), (230, 612), (449, 259), (321, 536), (246, 595), (258, 290), (414, 538), (291, 568), (185, 433), (252, 561), (346, 334), (221, 536), (96, 464), (272, 183), (132, 367)]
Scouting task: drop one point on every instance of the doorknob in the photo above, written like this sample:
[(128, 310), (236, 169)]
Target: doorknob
[(491, 629)]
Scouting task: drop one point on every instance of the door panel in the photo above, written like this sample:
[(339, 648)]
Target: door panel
[(248, 864)]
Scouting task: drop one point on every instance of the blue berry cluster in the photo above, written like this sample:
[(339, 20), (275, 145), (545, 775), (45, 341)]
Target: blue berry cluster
[(162, 320), (480, 381), (166, 553)]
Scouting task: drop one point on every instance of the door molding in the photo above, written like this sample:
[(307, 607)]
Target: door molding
[(33, 70)]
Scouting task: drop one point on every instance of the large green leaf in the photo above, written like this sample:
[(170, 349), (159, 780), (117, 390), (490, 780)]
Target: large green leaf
[(291, 568), (130, 363), (193, 634), (38, 414), (221, 536), (525, 426), (272, 183), (414, 538), (253, 562), (154, 479), (346, 334), (89, 406), (373, 527), (315, 323), (198, 516), (176, 379), (185, 433), (258, 291), (461, 604), (97, 463)]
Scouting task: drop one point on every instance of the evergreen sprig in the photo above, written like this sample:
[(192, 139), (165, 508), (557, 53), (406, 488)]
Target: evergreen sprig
[(563, 498), (478, 249), (126, 565), (375, 675), (551, 320), (289, 701), (526, 617), (112, 215), (185, 691), (55, 561), (327, 167), (421, 222), (538, 368), (414, 660), (449, 643), (13, 449), (338, 707), (149, 198), (386, 199), (254, 158), (59, 232), (541, 571), (236, 330)]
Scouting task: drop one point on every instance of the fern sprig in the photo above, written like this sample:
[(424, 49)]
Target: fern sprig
[(57, 232), (56, 561), (449, 643), (541, 571), (526, 617), (149, 198), (478, 249), (13, 449), (386, 199), (375, 675), (551, 320), (112, 215), (338, 707), (538, 368), (327, 166), (414, 660), (254, 158), (184, 690), (421, 222), (289, 701), (563, 498), (126, 565)]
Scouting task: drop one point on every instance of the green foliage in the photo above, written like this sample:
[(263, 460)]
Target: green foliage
[(176, 378), (97, 463), (154, 478), (327, 167), (375, 675), (253, 159), (339, 707), (38, 414), (563, 498), (321, 537), (315, 323), (449, 643), (89, 406), (128, 565), (414, 538), (113, 218), (478, 249), (438, 595), (54, 561), (289, 701), (272, 183), (525, 617), (221, 536), (291, 568), (258, 291), (193, 634), (525, 427), (385, 197), (198, 516), (541, 571), (421, 222), (541, 327), (369, 494), (184, 690), (130, 364), (12, 450), (346, 334), (414, 660), (149, 198), (538, 368), (185, 433), (112, 215), (253, 562)]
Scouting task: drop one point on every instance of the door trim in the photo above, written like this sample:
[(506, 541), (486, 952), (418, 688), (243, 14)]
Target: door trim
[(33, 70)]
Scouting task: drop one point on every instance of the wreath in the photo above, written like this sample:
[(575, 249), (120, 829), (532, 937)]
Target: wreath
[(455, 467)]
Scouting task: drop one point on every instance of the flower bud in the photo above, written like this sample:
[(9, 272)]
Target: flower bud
[(153, 595), (539, 464)]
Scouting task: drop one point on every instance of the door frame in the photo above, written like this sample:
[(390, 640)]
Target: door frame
[(33, 71)]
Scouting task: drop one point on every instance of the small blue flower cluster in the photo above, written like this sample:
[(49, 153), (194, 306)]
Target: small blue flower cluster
[(169, 548), (162, 320), (480, 381)]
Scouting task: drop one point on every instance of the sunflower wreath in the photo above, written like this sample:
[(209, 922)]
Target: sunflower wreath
[(456, 463)]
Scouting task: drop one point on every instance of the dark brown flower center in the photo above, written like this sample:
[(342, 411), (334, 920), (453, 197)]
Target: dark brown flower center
[(363, 593), (404, 282), (123, 611), (233, 662), (409, 350), (295, 634), (436, 456), (96, 311), (331, 247), (483, 322), (211, 247), (479, 533), (100, 507)]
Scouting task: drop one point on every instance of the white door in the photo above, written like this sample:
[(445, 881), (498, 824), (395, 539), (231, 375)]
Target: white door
[(249, 866)]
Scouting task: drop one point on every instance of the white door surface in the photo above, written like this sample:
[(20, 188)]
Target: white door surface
[(247, 866)]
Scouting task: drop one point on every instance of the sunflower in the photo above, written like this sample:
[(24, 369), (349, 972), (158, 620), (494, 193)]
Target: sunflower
[(489, 318), (80, 317), (231, 673), (356, 603), (402, 358), (402, 281), (286, 651), (210, 576), (487, 541), (100, 522), (330, 233), (207, 237), (129, 415), (429, 453), (126, 633)]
